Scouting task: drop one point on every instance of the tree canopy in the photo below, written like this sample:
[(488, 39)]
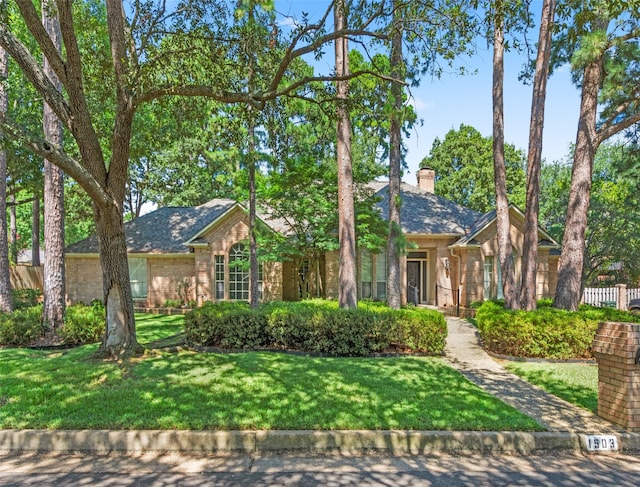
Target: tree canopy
[(463, 162)]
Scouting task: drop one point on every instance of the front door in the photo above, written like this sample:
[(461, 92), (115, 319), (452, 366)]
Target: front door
[(413, 281)]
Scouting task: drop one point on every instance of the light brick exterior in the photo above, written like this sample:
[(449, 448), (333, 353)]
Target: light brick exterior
[(615, 348), (451, 270), (166, 271)]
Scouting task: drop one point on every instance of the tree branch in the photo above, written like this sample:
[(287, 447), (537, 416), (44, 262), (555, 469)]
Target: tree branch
[(55, 155), (34, 24), (35, 74)]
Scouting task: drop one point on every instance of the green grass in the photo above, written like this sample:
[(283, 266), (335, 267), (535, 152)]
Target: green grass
[(188, 390), (574, 382)]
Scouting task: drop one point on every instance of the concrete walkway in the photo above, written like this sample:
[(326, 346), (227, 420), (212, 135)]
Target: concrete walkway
[(465, 354)]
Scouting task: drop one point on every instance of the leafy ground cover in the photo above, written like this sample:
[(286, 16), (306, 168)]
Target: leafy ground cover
[(576, 383), (183, 389)]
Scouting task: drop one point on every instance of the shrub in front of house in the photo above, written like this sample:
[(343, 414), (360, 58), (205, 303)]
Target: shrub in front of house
[(544, 333), (422, 330), (83, 324), (21, 327), (317, 326), (226, 325)]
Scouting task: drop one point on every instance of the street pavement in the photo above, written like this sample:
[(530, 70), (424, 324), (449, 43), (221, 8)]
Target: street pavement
[(117, 470)]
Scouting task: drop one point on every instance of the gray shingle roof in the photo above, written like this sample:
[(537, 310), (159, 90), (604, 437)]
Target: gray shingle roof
[(164, 230), (426, 213)]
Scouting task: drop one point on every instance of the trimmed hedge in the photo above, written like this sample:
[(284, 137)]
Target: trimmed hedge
[(544, 333), (21, 327), (316, 326), (82, 324)]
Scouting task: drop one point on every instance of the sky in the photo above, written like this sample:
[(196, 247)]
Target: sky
[(444, 104)]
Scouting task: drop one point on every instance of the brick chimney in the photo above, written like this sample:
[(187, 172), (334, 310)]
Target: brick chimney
[(426, 179)]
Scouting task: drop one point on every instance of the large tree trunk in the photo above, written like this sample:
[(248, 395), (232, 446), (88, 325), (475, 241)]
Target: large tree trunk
[(54, 271), (253, 244), (35, 231), (394, 299), (569, 288), (6, 302), (120, 335), (13, 228), (505, 254), (534, 161), (348, 288)]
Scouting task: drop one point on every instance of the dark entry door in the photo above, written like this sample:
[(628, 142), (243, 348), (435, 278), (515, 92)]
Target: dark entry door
[(413, 282)]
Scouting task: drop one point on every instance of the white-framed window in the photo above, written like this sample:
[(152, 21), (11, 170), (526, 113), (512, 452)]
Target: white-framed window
[(488, 277), (239, 274), (381, 276), (366, 275), (138, 277), (219, 276)]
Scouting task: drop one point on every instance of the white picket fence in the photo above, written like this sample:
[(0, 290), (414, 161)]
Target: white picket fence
[(606, 296)]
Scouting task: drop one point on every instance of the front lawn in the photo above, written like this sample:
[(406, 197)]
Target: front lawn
[(574, 382), (256, 390)]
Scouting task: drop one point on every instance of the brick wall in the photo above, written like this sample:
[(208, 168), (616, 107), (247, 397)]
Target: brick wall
[(163, 276), (615, 347), (84, 279)]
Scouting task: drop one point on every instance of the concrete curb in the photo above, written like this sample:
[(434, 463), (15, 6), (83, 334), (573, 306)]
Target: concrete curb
[(391, 442)]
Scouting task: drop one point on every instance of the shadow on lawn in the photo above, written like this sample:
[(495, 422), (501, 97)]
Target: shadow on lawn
[(189, 390), (582, 396)]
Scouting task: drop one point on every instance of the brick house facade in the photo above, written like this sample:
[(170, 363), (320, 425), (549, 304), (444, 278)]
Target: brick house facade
[(451, 256)]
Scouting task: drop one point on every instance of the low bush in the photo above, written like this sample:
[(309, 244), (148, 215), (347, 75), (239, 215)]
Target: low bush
[(83, 324), (21, 327), (544, 333), (25, 298), (317, 326), (226, 325), (422, 330)]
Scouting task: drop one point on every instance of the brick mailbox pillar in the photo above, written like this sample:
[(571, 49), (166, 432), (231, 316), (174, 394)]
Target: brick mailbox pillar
[(616, 350)]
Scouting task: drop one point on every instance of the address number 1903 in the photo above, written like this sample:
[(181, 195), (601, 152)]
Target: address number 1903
[(595, 443)]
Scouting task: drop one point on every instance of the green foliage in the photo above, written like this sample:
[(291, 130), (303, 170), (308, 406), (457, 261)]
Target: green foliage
[(544, 333), (613, 225), (463, 163), (317, 326), (25, 298), (83, 324), (227, 325), (21, 327), (422, 330)]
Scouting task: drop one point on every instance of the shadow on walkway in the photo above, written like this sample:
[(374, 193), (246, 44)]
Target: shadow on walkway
[(464, 352)]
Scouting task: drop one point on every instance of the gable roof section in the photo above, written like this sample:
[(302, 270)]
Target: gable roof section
[(424, 213), (165, 230), (545, 240)]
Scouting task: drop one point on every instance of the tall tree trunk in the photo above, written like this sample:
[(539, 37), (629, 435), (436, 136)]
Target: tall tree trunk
[(35, 231), (534, 160), (13, 229), (394, 299), (6, 302), (120, 334), (347, 293), (505, 254), (54, 272), (569, 288), (253, 244)]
